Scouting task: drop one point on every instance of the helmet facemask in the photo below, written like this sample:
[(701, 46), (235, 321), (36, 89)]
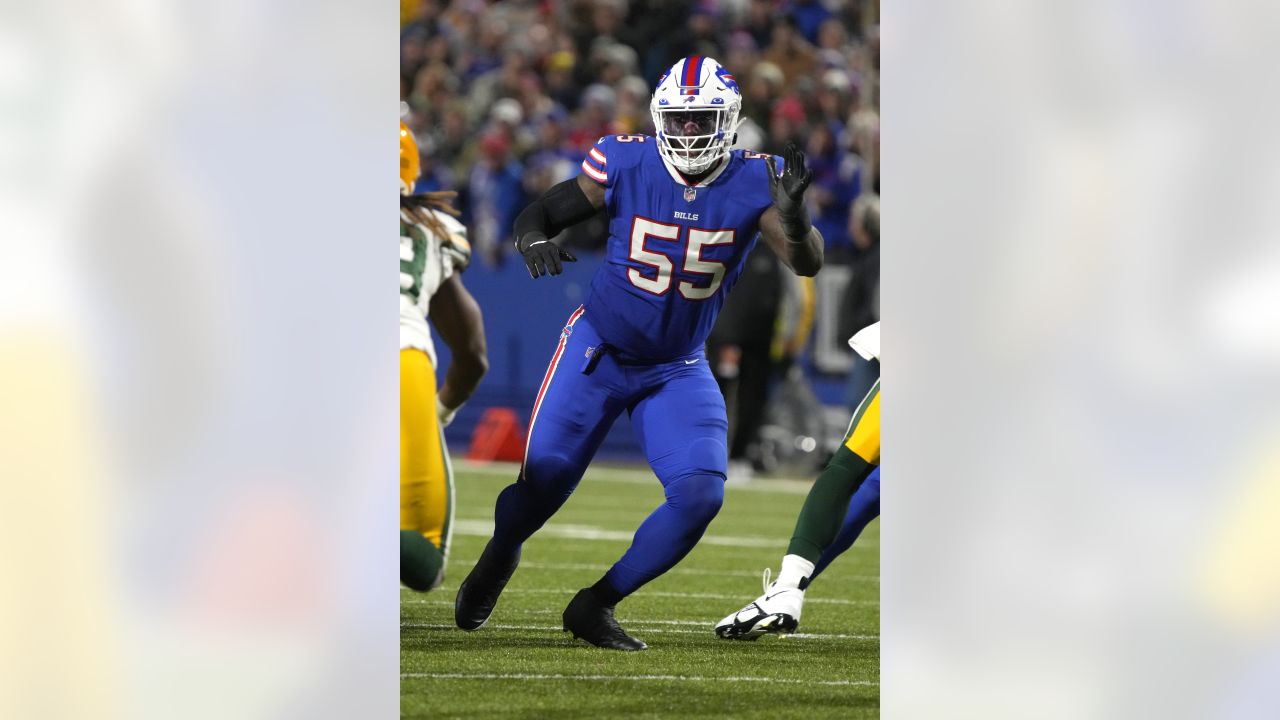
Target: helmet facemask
[(692, 139)]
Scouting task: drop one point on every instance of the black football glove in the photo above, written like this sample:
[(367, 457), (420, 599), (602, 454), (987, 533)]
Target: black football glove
[(788, 192), (542, 256)]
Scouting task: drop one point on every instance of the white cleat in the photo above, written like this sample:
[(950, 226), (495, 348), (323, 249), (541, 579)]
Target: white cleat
[(777, 611)]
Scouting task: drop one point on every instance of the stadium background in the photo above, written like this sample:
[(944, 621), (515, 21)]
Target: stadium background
[(504, 99)]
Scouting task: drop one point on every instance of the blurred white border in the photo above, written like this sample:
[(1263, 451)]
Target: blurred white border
[(1082, 288), (199, 413)]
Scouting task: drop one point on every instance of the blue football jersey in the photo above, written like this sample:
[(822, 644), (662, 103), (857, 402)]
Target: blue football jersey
[(674, 250)]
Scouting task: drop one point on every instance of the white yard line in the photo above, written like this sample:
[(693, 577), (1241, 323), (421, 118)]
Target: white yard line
[(674, 571), (647, 621), (683, 623), (657, 593), (637, 476), (641, 627), (477, 527), (611, 678), (484, 528)]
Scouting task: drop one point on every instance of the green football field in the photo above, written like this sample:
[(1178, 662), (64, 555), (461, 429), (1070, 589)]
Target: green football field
[(521, 664)]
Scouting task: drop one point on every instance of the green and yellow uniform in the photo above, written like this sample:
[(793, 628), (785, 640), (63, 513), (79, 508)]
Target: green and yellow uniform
[(855, 459)]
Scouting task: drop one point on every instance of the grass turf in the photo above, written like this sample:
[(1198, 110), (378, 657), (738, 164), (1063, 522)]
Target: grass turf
[(521, 665)]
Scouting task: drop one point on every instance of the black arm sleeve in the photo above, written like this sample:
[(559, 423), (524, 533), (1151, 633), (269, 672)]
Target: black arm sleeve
[(559, 207)]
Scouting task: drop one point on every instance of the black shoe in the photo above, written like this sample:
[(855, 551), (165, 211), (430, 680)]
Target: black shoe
[(589, 619), (479, 592)]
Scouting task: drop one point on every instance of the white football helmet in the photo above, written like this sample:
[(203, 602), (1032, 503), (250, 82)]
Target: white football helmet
[(695, 113)]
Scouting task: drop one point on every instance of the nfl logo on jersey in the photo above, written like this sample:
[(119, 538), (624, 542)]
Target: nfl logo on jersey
[(690, 194)]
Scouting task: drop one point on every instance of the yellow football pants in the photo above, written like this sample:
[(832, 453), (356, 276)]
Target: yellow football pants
[(426, 477), (863, 438)]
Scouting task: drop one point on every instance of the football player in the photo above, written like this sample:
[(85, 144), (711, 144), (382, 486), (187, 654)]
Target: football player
[(683, 210), (863, 508), (844, 498), (433, 253)]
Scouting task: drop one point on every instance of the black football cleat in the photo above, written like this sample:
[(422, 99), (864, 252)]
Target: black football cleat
[(591, 620), (478, 594)]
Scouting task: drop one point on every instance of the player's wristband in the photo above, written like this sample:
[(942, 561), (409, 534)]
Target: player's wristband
[(445, 413), (529, 239)]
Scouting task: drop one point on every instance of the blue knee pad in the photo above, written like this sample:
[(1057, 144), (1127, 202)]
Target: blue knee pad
[(547, 481), (551, 475), (697, 496), (697, 491)]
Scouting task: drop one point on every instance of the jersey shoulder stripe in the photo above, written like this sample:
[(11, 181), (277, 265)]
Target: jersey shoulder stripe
[(612, 153), (592, 172)]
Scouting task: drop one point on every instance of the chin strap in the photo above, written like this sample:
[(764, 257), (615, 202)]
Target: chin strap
[(688, 177)]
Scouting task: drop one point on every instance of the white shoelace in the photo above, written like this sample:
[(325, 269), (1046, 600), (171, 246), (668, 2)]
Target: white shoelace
[(768, 574)]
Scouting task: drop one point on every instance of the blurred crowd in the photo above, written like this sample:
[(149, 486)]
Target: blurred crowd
[(505, 97)]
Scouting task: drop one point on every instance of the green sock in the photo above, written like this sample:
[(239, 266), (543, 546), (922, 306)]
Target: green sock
[(827, 503), (421, 562)]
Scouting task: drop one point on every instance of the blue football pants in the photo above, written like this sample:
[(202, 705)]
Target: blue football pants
[(679, 418)]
